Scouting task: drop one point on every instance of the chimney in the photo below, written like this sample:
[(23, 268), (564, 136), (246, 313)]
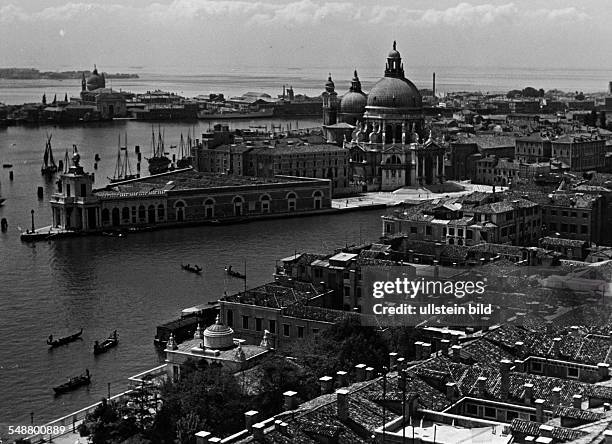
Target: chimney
[(418, 352), (283, 428), (290, 400), (342, 404), (546, 431), (214, 440), (436, 269), (456, 353), (574, 331), (539, 405), (454, 338), (326, 383), (451, 390), (360, 372), (528, 387), (369, 372), (250, 418), (556, 345), (577, 401), (425, 350), (556, 396), (341, 377), (604, 370), (445, 346), (401, 364), (392, 360), (258, 431), (518, 346), (202, 437), (608, 433), (544, 440), (504, 369), (481, 384), (402, 380), (519, 366)]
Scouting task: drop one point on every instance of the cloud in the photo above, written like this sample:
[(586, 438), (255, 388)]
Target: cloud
[(298, 13)]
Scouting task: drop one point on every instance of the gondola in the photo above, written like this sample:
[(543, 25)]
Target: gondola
[(106, 345), (233, 273), (65, 340), (192, 268), (73, 383)]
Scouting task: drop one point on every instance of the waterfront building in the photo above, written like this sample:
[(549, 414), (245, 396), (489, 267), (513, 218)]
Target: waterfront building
[(581, 152), (107, 102), (180, 197)]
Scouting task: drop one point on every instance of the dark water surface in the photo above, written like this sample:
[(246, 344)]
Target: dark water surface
[(129, 284)]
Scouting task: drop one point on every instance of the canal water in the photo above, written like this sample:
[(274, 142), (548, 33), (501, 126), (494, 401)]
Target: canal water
[(126, 284)]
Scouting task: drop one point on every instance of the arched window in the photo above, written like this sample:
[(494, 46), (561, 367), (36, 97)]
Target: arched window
[(125, 215), (238, 202), (161, 212), (115, 217), (179, 208), (105, 216), (265, 203), (291, 201), (209, 208), (142, 213), (151, 214), (318, 200)]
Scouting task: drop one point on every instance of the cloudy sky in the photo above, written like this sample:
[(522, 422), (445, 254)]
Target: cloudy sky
[(200, 34)]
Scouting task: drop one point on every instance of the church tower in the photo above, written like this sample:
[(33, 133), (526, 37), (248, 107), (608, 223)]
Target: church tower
[(330, 103)]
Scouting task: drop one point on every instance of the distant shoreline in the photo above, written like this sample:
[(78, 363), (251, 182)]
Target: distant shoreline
[(35, 74)]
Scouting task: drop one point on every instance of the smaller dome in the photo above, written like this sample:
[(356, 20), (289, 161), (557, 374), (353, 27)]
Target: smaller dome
[(353, 103), (218, 336), (95, 80)]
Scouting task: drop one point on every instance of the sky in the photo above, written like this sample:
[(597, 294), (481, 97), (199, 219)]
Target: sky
[(192, 36)]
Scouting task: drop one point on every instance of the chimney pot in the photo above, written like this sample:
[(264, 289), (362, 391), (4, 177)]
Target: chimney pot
[(556, 396), (326, 384), (402, 379), (539, 404), (290, 400), (504, 369), (608, 437), (360, 370), (445, 346), (369, 371), (250, 418), (202, 437), (283, 428), (392, 360), (481, 383), (214, 440), (546, 430), (418, 352), (342, 404), (604, 370), (450, 391), (577, 401), (456, 353), (426, 350), (258, 431), (341, 377), (401, 363), (528, 387), (544, 440)]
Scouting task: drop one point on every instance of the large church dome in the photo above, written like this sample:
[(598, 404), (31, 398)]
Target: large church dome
[(394, 90), (95, 80), (391, 92)]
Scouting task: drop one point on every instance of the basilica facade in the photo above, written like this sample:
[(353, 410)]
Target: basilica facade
[(384, 130)]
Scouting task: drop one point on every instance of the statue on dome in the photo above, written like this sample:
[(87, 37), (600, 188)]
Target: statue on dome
[(76, 157)]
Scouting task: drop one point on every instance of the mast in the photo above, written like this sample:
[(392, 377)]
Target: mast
[(153, 149), (127, 170), (51, 160), (118, 172)]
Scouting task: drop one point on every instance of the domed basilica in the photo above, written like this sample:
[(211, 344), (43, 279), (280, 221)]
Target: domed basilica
[(384, 131)]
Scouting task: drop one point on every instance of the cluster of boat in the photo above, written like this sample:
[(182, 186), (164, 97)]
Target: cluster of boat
[(228, 270), (98, 348)]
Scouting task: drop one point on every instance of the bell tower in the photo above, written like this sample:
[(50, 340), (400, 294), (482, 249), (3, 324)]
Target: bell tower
[(330, 103)]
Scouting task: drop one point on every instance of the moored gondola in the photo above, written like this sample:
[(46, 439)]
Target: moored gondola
[(107, 344), (192, 268), (73, 383), (65, 340), (234, 273)]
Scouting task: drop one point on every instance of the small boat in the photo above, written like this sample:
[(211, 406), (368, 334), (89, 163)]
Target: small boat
[(97, 157), (73, 383), (7, 165), (65, 340), (114, 233), (233, 273), (192, 268), (49, 167), (107, 344)]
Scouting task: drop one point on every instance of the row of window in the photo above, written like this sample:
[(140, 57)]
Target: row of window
[(259, 326), (568, 214), (568, 228)]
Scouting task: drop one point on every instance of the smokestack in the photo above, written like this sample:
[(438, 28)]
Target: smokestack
[(434, 84), (539, 403)]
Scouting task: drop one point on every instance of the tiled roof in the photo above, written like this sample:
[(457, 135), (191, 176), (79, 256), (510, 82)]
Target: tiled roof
[(529, 428)]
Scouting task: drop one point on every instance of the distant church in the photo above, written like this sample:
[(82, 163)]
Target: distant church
[(384, 131), (94, 92)]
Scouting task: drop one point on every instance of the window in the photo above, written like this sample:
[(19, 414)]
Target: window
[(510, 415), (286, 330), (573, 228), (413, 230), (272, 326), (258, 323), (245, 322), (347, 291), (230, 318), (68, 189), (451, 231), (443, 231), (564, 228), (585, 215), (469, 234), (300, 332), (265, 204), (584, 229), (460, 232), (428, 230), (572, 372), (315, 331), (553, 212), (471, 409), (83, 190), (564, 213), (291, 201), (536, 367), (490, 412)]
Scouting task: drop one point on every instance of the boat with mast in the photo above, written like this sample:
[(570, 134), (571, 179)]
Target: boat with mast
[(123, 170), (159, 163), (184, 152), (49, 167)]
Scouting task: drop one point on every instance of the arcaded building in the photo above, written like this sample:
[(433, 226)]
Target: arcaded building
[(388, 141)]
